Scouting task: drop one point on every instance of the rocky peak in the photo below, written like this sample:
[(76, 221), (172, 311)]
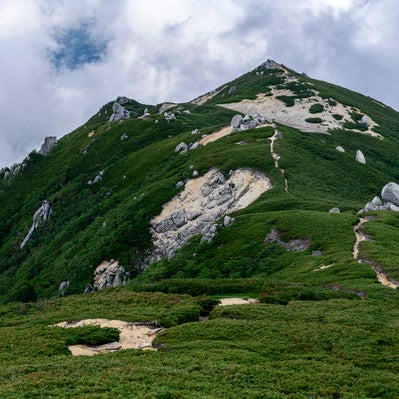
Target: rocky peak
[(49, 143), (271, 64), (119, 112)]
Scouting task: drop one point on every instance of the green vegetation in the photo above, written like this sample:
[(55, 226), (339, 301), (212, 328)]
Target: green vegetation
[(316, 108), (314, 120), (338, 117), (324, 327)]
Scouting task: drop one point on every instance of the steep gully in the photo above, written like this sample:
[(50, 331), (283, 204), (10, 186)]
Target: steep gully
[(382, 277)]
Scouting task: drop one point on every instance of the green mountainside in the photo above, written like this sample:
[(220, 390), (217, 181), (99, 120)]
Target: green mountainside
[(325, 325)]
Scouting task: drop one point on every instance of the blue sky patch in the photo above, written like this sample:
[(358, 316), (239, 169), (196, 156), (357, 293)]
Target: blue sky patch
[(77, 48)]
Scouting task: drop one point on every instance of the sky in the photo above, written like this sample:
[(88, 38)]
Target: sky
[(61, 60)]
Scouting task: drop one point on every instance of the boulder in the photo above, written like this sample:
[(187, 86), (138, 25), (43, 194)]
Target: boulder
[(334, 210), (365, 120), (40, 216), (118, 111), (374, 205), (236, 121), (339, 148), (181, 147), (360, 157), (109, 274), (390, 193), (195, 131), (49, 143), (63, 286)]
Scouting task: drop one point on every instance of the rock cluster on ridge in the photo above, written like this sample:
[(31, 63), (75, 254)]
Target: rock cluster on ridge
[(119, 112)]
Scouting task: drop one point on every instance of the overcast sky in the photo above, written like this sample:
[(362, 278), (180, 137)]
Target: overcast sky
[(60, 60)]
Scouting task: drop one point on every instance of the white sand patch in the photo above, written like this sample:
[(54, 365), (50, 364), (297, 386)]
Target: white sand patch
[(132, 336), (206, 97), (237, 301), (271, 107), (210, 138)]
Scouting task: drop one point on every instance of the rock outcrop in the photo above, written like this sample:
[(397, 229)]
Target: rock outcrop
[(339, 148), (40, 216), (49, 143), (98, 178), (360, 157), (389, 201), (108, 275), (297, 244), (271, 64), (119, 112), (247, 122), (197, 208)]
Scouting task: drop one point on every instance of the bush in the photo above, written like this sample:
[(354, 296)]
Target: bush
[(91, 335), (337, 117), (313, 120), (288, 100), (316, 108)]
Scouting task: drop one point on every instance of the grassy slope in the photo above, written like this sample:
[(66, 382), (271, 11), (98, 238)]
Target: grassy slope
[(344, 347)]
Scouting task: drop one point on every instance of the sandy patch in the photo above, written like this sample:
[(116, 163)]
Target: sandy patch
[(237, 301), (216, 135), (295, 116), (206, 97), (132, 336)]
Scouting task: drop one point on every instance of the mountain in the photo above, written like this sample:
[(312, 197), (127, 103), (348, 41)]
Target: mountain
[(264, 187)]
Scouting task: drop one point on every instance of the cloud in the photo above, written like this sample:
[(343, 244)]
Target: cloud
[(63, 59)]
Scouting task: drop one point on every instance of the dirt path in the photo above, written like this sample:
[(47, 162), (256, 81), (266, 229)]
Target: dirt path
[(132, 336), (277, 135), (382, 277)]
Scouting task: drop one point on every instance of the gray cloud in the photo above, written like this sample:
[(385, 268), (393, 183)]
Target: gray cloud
[(155, 51)]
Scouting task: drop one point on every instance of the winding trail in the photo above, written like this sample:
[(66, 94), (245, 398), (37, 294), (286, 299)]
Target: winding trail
[(277, 135), (382, 277)]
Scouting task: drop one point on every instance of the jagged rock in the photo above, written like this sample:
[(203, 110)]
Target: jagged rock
[(360, 157), (196, 209), (89, 288), (339, 148), (388, 206), (236, 121), (187, 111), (169, 116), (179, 184), (195, 131), (118, 111), (109, 274), (390, 193), (227, 221), (181, 147), (334, 210), (124, 137), (63, 286), (246, 118), (40, 216), (271, 64), (195, 173), (49, 143)]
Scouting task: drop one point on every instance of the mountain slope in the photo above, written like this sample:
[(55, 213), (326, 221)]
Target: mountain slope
[(139, 171)]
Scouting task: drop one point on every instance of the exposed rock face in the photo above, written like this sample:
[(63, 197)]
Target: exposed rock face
[(49, 143), (297, 244), (118, 111), (360, 157), (165, 106), (271, 64), (202, 202), (109, 274), (41, 215)]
